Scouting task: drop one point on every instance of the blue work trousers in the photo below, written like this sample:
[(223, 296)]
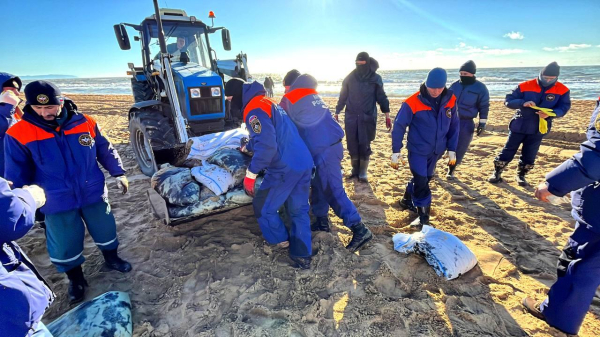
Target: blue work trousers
[(328, 187), (531, 146), (291, 189), (570, 296), (65, 233), (422, 169), (465, 137)]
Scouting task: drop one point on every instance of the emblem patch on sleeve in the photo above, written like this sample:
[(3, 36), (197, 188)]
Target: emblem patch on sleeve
[(550, 97), (449, 113), (86, 140), (255, 124)]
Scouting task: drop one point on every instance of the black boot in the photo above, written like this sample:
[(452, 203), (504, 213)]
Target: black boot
[(113, 261), (77, 284), (406, 202), (301, 262), (361, 236), (522, 170), (496, 177), (355, 167), (362, 172), (322, 224), (450, 174), (423, 218)]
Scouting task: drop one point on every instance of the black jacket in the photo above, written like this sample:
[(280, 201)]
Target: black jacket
[(359, 95)]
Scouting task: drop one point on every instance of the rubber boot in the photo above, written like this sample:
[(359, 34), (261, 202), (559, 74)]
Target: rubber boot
[(496, 177), (362, 172), (406, 202), (77, 284), (450, 174), (301, 262), (113, 261), (355, 167), (423, 218), (522, 170), (322, 224), (361, 235)]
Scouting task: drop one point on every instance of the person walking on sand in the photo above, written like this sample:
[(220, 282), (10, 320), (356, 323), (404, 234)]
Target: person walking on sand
[(278, 150), (9, 107), (472, 99), (58, 148), (323, 137), (537, 102), (268, 84), (578, 267), (433, 127), (361, 89)]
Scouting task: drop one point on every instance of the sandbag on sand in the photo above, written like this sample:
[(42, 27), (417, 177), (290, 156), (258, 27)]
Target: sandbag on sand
[(448, 256), (233, 161), (176, 185)]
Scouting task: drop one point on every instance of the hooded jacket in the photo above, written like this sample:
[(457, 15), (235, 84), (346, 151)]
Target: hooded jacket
[(6, 118), (526, 120), (429, 131), (63, 160), (311, 116), (360, 93), (472, 100), (274, 138)]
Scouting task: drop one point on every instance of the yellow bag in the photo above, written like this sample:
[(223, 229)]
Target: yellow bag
[(543, 122)]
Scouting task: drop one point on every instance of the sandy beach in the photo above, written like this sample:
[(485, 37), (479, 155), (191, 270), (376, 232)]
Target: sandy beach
[(218, 277)]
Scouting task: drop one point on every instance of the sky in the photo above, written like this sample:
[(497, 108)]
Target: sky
[(321, 37)]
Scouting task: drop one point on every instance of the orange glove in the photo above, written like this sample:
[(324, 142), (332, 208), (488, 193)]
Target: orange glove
[(249, 183)]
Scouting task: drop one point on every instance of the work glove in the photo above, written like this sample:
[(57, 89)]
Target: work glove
[(37, 193), (388, 123), (337, 117), (397, 159), (249, 181), (122, 184), (244, 146), (480, 128), (451, 158), (9, 97)]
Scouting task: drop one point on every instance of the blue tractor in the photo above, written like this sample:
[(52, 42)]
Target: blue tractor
[(178, 89)]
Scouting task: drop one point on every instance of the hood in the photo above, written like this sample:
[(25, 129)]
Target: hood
[(6, 76), (307, 117), (251, 90), (374, 64), (305, 81)]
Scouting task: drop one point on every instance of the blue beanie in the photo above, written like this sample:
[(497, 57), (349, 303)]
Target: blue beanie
[(43, 93), (436, 78)]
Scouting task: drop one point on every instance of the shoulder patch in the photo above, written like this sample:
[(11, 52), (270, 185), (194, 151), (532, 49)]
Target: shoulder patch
[(255, 124), (449, 112), (86, 139)]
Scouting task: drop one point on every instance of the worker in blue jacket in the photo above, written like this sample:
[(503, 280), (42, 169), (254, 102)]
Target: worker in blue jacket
[(9, 105), (24, 293), (323, 137), (473, 100), (278, 150), (361, 89), (58, 148), (578, 266), (433, 127), (526, 126)]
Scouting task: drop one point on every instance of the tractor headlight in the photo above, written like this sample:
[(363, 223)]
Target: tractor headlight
[(195, 93), (215, 91)]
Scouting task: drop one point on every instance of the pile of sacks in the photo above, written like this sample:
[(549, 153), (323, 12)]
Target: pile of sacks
[(216, 183)]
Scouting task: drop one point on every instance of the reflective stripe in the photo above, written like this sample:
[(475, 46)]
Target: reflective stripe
[(484, 120), (106, 243), (67, 260)]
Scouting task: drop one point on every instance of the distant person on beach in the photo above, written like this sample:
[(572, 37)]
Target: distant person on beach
[(9, 108), (578, 266), (323, 137), (361, 89), (268, 84), (433, 128), (537, 102), (24, 293), (473, 100), (58, 148), (289, 79), (279, 151)]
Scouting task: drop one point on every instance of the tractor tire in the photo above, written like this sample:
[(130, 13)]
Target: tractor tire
[(142, 91), (150, 131)]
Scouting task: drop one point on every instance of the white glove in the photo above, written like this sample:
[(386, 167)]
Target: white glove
[(122, 184), (397, 159), (9, 97), (451, 158), (37, 193)]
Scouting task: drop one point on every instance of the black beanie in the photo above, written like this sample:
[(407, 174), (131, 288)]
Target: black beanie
[(43, 93), (233, 88), (553, 69), (14, 82), (290, 77), (362, 56), (469, 67)]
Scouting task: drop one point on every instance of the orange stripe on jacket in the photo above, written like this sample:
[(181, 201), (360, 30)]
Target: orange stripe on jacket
[(451, 102), (558, 89), (298, 94), (259, 102), (531, 85), (25, 133), (88, 126), (415, 104)]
